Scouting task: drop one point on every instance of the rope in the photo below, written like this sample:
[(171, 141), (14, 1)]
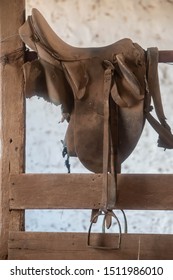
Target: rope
[(12, 57), (9, 37)]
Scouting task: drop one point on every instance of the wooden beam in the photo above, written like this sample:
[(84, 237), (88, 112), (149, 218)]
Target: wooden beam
[(67, 246), (166, 56), (11, 111), (84, 191)]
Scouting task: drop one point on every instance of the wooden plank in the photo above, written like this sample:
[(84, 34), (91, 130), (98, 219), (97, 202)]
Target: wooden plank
[(166, 56), (30, 245), (84, 191), (11, 111)]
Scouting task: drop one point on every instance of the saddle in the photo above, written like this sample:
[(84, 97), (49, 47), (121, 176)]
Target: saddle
[(105, 95)]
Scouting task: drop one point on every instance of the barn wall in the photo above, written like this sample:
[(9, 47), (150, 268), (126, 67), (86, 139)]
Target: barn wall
[(97, 23)]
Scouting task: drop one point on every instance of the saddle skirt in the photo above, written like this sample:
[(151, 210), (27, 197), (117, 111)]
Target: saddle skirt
[(75, 78)]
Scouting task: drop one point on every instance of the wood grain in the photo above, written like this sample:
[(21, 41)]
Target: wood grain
[(84, 191), (11, 112), (66, 246)]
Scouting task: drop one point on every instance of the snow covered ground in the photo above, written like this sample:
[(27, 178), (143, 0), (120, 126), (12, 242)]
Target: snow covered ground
[(96, 23)]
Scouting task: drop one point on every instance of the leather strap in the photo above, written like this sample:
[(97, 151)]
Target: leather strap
[(162, 128), (109, 181), (165, 137)]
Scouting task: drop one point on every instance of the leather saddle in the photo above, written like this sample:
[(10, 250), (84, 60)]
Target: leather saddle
[(105, 93)]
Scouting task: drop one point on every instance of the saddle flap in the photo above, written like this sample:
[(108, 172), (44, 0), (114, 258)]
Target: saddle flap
[(34, 77), (77, 77), (129, 85), (48, 81), (59, 90)]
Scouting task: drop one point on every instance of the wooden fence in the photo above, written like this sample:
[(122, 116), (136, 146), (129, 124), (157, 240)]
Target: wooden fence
[(20, 191), (78, 191)]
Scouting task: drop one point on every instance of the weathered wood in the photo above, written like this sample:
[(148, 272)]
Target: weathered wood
[(79, 191), (11, 110), (166, 56), (27, 245)]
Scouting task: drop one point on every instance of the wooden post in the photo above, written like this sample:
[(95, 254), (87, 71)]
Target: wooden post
[(11, 113)]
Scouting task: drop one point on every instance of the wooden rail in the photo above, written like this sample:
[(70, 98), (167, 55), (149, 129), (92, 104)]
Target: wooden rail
[(67, 246), (166, 56), (83, 191)]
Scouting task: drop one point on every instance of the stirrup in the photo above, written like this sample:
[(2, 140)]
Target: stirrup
[(105, 213)]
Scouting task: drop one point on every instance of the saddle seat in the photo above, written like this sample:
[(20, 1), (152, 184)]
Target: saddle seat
[(42, 31), (75, 78)]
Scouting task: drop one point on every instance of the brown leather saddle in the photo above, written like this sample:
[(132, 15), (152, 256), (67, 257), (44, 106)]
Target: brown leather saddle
[(105, 95)]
